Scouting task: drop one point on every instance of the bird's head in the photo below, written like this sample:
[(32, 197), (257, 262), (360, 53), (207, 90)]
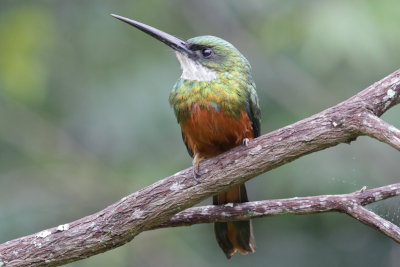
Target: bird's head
[(202, 58)]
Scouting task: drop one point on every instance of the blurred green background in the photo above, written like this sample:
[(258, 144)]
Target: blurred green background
[(85, 119)]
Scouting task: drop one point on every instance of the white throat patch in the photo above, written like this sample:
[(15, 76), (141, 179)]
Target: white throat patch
[(194, 71)]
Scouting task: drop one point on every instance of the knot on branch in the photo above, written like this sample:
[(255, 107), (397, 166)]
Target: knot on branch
[(338, 120), (161, 204)]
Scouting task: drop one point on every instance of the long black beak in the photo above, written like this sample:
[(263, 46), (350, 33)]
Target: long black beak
[(173, 42)]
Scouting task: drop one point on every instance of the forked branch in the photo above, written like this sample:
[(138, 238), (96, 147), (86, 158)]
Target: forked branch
[(122, 221), (352, 204)]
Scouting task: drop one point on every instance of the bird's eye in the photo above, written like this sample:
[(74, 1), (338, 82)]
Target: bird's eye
[(206, 52)]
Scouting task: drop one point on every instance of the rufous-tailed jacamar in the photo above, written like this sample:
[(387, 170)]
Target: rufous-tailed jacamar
[(216, 105)]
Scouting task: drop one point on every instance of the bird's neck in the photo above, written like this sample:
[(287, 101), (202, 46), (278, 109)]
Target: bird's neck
[(226, 93), (194, 71)]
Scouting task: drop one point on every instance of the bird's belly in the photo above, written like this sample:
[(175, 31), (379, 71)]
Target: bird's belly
[(210, 132)]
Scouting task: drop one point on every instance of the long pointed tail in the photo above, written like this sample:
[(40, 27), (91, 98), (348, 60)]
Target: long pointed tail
[(237, 235)]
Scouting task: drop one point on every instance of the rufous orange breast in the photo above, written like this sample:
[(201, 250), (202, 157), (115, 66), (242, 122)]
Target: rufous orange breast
[(210, 132)]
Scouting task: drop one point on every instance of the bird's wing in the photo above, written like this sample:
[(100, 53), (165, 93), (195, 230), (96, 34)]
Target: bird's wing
[(253, 109), (186, 144)]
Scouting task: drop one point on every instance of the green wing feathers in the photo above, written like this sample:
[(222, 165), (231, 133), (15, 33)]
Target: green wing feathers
[(253, 109)]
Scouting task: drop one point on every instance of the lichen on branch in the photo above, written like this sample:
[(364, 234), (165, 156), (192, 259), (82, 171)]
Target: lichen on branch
[(149, 207)]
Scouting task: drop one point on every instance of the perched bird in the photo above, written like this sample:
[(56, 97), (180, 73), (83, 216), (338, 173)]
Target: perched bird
[(216, 105)]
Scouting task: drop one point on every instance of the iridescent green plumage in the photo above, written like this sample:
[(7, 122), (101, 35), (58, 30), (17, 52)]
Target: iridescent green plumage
[(232, 91), (216, 105)]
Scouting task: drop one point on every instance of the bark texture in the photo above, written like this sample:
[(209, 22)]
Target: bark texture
[(149, 207)]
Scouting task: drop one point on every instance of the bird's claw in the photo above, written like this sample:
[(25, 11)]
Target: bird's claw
[(246, 142), (196, 174)]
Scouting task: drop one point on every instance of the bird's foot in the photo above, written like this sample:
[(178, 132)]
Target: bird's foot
[(196, 175), (196, 171), (246, 142)]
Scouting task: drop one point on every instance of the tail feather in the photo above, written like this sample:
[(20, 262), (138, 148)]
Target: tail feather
[(237, 235)]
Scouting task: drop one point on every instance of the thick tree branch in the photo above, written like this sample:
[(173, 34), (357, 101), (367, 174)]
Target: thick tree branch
[(122, 221)]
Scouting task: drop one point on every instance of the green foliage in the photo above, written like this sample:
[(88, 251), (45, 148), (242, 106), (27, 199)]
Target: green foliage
[(26, 35)]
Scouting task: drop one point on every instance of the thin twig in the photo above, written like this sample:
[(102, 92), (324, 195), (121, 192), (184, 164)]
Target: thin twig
[(381, 130), (371, 219), (349, 203)]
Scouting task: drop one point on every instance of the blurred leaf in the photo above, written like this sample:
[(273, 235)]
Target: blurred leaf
[(85, 119), (25, 34)]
